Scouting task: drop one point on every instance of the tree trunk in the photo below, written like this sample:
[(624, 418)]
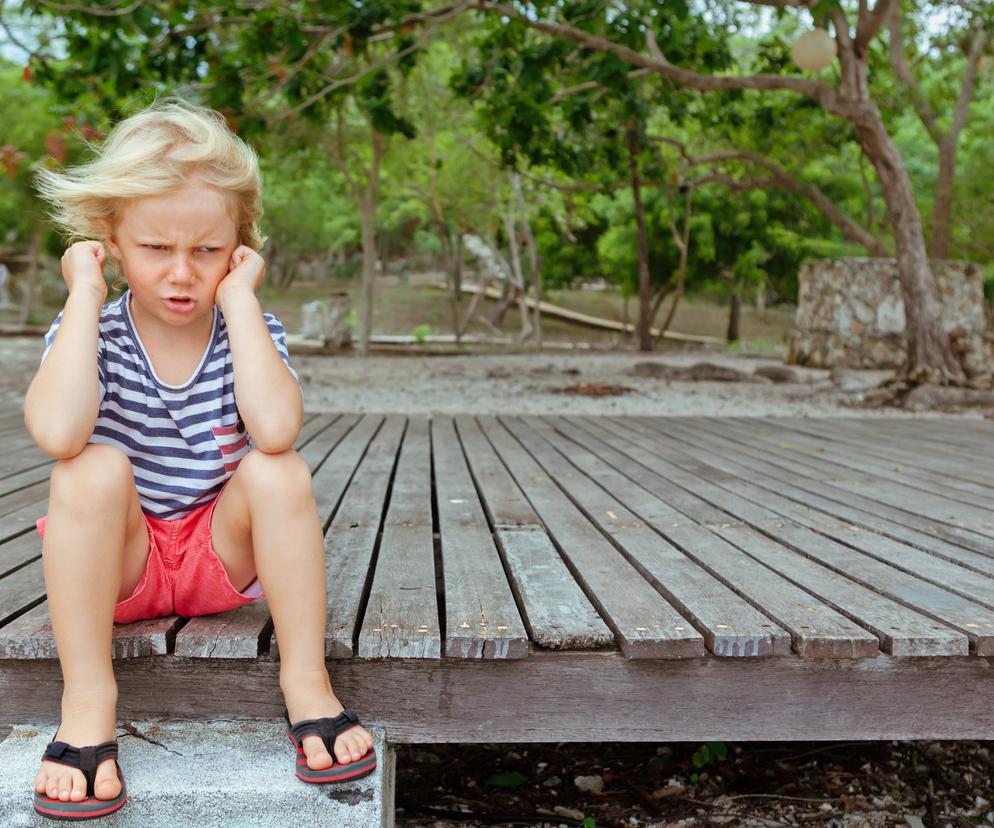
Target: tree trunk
[(526, 230), (625, 319), (734, 315), (367, 206), (508, 292), (645, 300), (929, 354), (943, 204)]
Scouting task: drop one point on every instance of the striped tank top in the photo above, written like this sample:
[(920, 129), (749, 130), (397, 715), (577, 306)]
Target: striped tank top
[(183, 441)]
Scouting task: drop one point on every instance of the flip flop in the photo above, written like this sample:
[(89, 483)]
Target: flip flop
[(328, 729), (86, 759)]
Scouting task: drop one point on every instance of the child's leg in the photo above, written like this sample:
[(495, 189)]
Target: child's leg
[(94, 554), (266, 523)]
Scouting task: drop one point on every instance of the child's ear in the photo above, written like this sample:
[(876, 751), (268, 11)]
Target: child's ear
[(110, 240)]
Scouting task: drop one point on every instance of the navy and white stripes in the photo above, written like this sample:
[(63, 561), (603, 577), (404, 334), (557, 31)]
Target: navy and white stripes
[(183, 441)]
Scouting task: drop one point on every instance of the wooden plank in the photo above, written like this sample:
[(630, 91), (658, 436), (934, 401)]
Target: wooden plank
[(882, 441), (944, 574), (831, 514), (28, 496), (401, 618), (730, 625), (28, 477), (30, 636), (752, 446), (644, 625), (17, 552), (879, 486), (944, 486), (505, 503), (21, 521), (20, 590), (555, 610), (968, 617), (567, 696), (481, 618), (901, 631), (240, 633), (817, 630), (21, 456), (350, 541)]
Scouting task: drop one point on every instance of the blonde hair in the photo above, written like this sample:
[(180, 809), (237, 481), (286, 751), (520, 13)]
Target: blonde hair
[(160, 149)]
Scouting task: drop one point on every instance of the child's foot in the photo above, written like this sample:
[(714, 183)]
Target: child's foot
[(87, 719), (311, 698)]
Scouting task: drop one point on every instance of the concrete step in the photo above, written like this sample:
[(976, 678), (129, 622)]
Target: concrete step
[(200, 774)]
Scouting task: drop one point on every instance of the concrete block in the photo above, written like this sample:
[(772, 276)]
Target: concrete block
[(208, 774)]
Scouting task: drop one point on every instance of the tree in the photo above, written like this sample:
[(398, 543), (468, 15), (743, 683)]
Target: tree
[(264, 69), (963, 43), (929, 356), (579, 114)]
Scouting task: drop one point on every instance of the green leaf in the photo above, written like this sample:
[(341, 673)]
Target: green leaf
[(507, 779), (701, 757), (719, 749), (588, 822)]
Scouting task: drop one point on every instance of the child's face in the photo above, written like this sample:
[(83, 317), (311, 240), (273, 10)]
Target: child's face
[(174, 249)]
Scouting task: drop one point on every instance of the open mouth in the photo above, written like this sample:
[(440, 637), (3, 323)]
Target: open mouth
[(180, 303)]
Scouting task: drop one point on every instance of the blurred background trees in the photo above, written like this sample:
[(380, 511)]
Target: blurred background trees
[(391, 130)]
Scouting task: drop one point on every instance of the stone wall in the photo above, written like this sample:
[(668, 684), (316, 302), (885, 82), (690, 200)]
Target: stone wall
[(850, 314)]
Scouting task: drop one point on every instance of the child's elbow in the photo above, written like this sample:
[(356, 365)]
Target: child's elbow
[(61, 445), (273, 443)]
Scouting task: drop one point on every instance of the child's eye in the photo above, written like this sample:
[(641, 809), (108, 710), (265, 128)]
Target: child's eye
[(154, 246), (208, 249)]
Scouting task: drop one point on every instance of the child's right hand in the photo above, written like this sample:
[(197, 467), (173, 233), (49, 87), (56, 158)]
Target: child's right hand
[(83, 268)]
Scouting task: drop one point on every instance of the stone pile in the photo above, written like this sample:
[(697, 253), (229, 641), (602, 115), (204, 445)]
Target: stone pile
[(850, 314)]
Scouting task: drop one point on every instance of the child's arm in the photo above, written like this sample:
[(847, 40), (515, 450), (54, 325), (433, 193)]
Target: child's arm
[(266, 393), (63, 400)]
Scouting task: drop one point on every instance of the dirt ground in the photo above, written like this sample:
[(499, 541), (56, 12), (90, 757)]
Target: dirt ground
[(911, 784), (552, 382)]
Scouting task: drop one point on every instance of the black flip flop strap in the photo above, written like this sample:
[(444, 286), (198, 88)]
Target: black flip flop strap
[(327, 728), (85, 759)]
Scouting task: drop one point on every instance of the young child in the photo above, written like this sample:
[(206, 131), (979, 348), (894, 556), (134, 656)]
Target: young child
[(172, 412)]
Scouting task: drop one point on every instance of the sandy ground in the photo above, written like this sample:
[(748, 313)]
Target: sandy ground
[(520, 383), (534, 384)]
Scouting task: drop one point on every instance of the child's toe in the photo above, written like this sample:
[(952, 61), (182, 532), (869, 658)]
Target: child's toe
[(78, 792), (318, 757), (106, 785)]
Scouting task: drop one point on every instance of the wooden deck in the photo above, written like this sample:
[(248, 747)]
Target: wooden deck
[(584, 578)]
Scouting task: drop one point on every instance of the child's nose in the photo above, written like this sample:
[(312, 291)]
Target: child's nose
[(182, 269)]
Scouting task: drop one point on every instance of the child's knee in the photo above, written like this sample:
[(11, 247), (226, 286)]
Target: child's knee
[(275, 475), (98, 472)]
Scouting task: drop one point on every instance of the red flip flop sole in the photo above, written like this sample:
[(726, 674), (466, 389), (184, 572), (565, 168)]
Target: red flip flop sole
[(89, 808), (337, 772)]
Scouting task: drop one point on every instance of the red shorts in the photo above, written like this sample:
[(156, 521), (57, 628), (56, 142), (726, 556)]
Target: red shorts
[(183, 575)]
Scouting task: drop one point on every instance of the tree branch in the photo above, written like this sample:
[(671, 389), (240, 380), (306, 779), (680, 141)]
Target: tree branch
[(918, 100), (375, 66), (781, 179), (584, 87), (870, 22), (96, 11), (660, 65), (977, 46)]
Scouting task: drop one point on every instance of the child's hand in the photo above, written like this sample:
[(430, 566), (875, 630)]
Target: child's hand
[(83, 268), (245, 273)]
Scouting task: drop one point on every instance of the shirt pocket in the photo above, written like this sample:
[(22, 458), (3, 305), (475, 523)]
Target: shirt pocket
[(232, 440)]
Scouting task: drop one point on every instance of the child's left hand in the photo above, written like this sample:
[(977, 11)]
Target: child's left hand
[(245, 272)]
